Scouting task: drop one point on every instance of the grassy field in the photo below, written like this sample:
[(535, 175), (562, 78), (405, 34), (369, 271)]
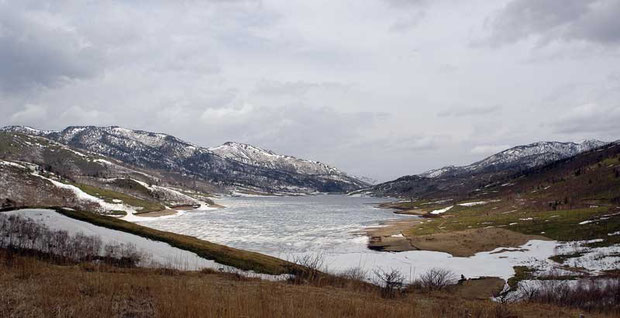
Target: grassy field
[(561, 225), (32, 288), (222, 254)]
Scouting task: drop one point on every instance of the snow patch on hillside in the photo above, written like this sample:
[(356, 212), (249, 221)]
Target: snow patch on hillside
[(444, 210), (83, 196)]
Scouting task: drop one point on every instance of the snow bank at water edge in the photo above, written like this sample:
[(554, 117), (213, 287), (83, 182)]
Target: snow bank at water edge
[(412, 264), (161, 254)]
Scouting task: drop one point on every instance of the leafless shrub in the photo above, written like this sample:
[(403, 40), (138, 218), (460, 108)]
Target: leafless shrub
[(437, 279), (311, 271), (588, 294), (391, 282), (25, 236), (355, 273)]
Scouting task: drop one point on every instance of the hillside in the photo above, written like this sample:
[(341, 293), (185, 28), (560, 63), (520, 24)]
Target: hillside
[(37, 171), (574, 201), (230, 167)]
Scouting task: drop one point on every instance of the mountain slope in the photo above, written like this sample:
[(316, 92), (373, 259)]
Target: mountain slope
[(36, 171), (519, 158), (230, 166), (268, 159), (454, 180)]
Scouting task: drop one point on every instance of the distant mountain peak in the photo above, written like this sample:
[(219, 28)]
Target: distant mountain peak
[(25, 130), (266, 158)]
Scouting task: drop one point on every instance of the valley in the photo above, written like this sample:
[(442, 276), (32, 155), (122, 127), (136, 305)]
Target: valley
[(525, 216)]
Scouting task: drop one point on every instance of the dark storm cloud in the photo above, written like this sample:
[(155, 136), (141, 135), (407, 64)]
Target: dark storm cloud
[(594, 21)]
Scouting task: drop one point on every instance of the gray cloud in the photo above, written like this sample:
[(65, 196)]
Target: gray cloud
[(488, 149), (40, 49), (325, 80), (470, 111), (590, 120), (298, 88), (594, 21)]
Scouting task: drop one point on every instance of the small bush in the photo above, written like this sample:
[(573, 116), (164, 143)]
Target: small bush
[(391, 282), (437, 279)]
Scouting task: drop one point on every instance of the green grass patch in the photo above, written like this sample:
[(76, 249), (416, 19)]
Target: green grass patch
[(560, 225), (521, 273), (222, 254), (560, 259)]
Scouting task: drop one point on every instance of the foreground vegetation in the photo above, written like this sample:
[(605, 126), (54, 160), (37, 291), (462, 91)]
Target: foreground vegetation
[(32, 288)]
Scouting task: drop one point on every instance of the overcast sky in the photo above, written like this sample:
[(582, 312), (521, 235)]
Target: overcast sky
[(380, 88)]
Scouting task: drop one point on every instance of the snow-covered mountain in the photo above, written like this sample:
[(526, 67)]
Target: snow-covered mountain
[(266, 158), (461, 180), (519, 158), (233, 166)]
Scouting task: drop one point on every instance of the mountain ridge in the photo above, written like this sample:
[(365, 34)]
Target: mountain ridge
[(228, 165), (544, 151), (462, 179)]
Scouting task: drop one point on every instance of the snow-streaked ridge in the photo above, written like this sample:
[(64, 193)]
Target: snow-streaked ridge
[(232, 166), (527, 156), (266, 158)]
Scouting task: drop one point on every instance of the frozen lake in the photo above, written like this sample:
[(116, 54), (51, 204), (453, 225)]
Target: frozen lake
[(283, 225), (287, 227)]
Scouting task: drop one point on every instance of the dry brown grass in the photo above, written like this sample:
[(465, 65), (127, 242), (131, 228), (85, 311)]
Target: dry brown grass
[(32, 288)]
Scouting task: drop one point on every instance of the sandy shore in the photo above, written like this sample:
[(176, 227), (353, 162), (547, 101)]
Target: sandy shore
[(153, 214), (173, 210)]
